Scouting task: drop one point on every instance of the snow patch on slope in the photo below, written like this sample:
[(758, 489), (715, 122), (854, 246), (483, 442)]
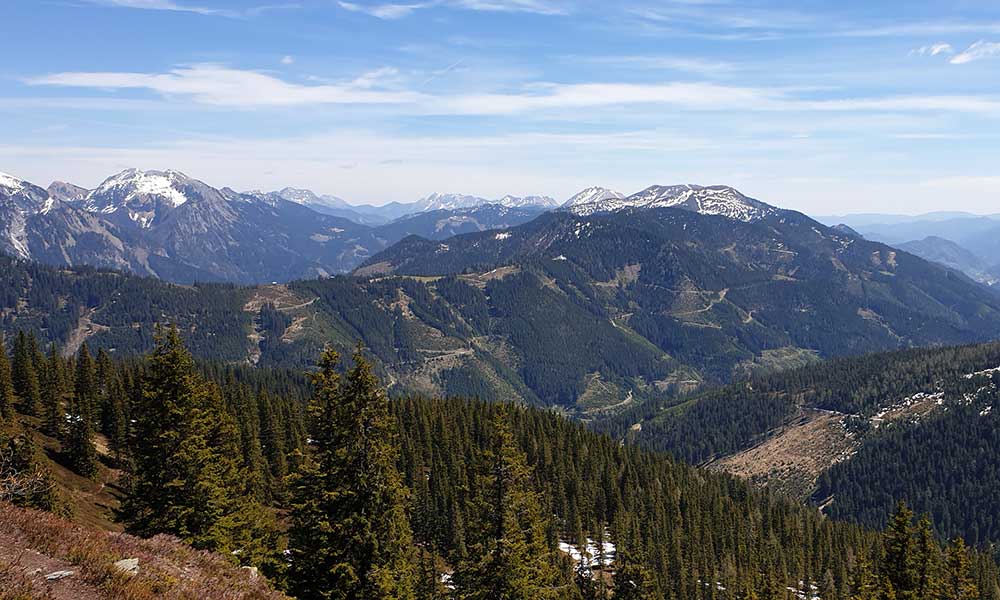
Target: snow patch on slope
[(141, 193), (593, 194), (10, 184), (712, 200)]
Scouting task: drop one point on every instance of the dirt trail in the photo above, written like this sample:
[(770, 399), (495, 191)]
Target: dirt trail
[(85, 328), (282, 298), (712, 302)]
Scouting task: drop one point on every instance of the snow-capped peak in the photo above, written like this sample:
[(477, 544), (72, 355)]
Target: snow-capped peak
[(308, 197), (527, 201), (593, 194), (144, 195), (10, 183), (461, 201), (707, 200), (437, 201)]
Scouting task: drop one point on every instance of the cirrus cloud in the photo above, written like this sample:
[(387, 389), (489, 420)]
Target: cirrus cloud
[(979, 50), (218, 85)]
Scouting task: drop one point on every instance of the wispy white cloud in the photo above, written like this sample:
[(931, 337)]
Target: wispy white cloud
[(542, 97), (170, 5), (391, 11), (218, 85), (933, 49), (684, 64), (541, 7), (383, 11), (722, 14), (979, 50), (287, 59), (918, 28), (222, 86), (380, 77)]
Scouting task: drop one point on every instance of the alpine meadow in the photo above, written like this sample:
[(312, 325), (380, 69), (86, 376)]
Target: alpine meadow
[(499, 300)]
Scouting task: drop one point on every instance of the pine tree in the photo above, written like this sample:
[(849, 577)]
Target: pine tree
[(104, 374), (53, 414), (927, 561), (273, 446), (79, 448), (115, 419), (245, 414), (632, 580), (899, 564), (185, 478), (958, 584), (350, 538), (6, 388), (85, 391), (25, 375), (509, 553), (864, 582)]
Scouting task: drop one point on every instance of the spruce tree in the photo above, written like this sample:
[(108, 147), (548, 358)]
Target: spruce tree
[(864, 583), (115, 420), (25, 375), (509, 553), (272, 444), (53, 413), (349, 537), (958, 583), (899, 564), (185, 478), (927, 561), (6, 388), (85, 390), (78, 446), (245, 414), (632, 579)]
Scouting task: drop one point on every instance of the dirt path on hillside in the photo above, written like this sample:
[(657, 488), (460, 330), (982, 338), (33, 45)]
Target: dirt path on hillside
[(85, 328)]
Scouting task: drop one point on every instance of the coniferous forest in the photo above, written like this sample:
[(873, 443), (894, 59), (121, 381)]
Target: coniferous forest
[(333, 490)]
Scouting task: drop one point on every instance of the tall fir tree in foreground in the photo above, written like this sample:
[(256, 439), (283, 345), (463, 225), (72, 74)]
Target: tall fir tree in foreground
[(79, 443), (53, 407), (6, 388), (632, 579), (349, 537), (185, 476), (25, 374), (958, 584), (510, 556), (913, 567)]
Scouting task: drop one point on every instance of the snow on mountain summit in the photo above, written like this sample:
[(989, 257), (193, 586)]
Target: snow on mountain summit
[(593, 194), (145, 196), (707, 200), (10, 183), (526, 201), (460, 201), (310, 198), (438, 201)]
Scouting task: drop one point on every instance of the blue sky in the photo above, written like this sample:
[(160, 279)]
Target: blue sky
[(826, 107)]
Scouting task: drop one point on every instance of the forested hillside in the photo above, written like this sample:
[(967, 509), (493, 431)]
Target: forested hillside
[(855, 435), (591, 314), (720, 294), (205, 452)]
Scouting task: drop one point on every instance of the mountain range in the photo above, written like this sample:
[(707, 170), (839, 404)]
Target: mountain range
[(689, 319), (592, 313), (963, 241), (171, 226)]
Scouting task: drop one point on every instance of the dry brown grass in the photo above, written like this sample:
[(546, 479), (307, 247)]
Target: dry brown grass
[(33, 544)]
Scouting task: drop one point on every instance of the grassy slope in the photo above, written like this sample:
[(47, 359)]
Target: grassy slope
[(34, 544)]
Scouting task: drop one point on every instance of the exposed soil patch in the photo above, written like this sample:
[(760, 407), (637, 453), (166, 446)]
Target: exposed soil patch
[(793, 458)]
